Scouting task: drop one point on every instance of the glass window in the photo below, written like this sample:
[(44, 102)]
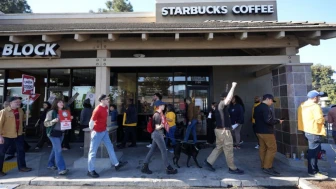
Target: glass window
[(151, 83), (123, 87), (84, 81)]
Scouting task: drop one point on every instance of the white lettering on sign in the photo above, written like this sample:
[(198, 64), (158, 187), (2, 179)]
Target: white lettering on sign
[(217, 10), (28, 84), (30, 50)]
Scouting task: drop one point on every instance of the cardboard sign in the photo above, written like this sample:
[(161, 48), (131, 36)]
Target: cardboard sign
[(72, 99), (65, 119), (28, 82)]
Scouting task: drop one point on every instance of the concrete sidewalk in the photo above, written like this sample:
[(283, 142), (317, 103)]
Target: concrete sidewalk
[(246, 158)]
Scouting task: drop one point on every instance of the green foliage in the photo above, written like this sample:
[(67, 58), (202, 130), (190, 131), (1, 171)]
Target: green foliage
[(322, 80), (117, 6), (14, 6)]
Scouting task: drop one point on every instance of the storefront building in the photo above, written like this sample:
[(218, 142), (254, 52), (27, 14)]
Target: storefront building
[(193, 48)]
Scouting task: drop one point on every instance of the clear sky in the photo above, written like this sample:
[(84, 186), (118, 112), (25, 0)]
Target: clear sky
[(288, 10)]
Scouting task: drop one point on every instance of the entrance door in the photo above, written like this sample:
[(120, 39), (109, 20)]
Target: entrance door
[(200, 96)]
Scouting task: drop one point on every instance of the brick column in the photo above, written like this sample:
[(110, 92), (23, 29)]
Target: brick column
[(291, 83)]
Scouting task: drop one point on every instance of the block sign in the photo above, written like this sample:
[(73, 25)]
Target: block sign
[(28, 82), (65, 119)]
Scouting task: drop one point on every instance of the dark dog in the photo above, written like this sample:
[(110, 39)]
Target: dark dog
[(191, 150)]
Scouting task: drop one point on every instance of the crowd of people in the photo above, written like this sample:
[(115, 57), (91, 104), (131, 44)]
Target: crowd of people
[(224, 123)]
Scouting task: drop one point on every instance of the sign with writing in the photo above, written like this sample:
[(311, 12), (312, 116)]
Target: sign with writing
[(51, 98), (30, 50), (65, 119), (32, 99), (28, 87), (90, 96), (217, 10)]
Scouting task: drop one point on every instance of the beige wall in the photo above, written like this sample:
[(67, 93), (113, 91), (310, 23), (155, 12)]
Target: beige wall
[(248, 87)]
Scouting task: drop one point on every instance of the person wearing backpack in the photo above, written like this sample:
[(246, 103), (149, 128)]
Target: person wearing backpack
[(157, 135), (129, 123), (171, 119)]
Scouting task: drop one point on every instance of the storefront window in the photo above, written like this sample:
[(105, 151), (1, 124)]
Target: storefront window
[(151, 83), (60, 84), (84, 85), (123, 87)]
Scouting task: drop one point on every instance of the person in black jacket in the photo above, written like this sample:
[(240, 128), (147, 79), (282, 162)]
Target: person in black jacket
[(44, 138), (211, 124), (237, 110), (130, 121), (265, 122)]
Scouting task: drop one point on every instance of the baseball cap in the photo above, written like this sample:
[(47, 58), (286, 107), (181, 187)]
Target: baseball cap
[(268, 96), (13, 98), (314, 93), (159, 103)]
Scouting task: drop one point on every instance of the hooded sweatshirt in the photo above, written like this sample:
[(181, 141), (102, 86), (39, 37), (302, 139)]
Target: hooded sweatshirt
[(310, 118)]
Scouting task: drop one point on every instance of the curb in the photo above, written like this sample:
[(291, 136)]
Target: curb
[(304, 184)]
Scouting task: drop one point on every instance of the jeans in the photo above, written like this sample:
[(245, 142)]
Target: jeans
[(314, 148), (237, 134), (171, 135), (191, 128), (56, 157), (159, 142), (96, 139), (21, 155)]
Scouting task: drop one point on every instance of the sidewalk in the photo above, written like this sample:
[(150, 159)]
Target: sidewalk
[(247, 159)]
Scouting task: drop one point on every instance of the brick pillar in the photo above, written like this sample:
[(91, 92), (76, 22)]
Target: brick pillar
[(291, 83)]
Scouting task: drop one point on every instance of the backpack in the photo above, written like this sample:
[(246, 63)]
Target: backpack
[(150, 128)]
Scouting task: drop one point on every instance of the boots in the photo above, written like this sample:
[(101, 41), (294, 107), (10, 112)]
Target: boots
[(170, 170), (145, 169)]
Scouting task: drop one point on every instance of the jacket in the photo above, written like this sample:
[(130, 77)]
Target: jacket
[(310, 118), (332, 118), (254, 106), (130, 116), (236, 114), (264, 121), (50, 123), (192, 111), (8, 124)]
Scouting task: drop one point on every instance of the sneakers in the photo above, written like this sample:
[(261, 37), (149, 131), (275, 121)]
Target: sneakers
[(241, 142), (149, 146), (236, 172), (145, 169), (92, 174), (2, 174), (171, 151), (120, 165), (209, 166), (323, 173), (318, 176), (64, 172), (237, 147), (52, 168), (271, 171), (25, 169), (37, 149), (170, 170), (257, 147)]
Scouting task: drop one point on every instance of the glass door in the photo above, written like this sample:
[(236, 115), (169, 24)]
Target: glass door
[(200, 96)]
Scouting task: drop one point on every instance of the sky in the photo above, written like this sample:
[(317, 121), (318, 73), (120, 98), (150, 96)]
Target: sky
[(288, 10)]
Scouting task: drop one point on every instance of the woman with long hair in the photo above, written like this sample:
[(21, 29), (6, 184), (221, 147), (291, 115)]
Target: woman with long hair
[(237, 110), (44, 138), (56, 135)]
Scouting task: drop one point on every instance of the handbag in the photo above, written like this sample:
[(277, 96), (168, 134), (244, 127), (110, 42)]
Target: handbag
[(56, 133)]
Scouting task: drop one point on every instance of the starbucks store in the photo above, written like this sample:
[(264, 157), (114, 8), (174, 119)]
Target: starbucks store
[(189, 48)]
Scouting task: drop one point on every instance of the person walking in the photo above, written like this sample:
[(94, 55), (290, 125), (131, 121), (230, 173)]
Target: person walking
[(11, 126), (56, 135), (44, 138), (311, 122), (265, 131), (158, 141), (157, 99), (129, 123), (84, 119), (256, 103), (192, 116), (99, 135), (211, 124), (237, 110), (171, 119), (224, 141)]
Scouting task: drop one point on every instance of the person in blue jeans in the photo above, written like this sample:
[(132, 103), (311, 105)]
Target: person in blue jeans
[(56, 135), (192, 117), (171, 119), (99, 134)]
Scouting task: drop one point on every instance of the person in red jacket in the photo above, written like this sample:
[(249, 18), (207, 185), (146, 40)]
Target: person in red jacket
[(99, 135)]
